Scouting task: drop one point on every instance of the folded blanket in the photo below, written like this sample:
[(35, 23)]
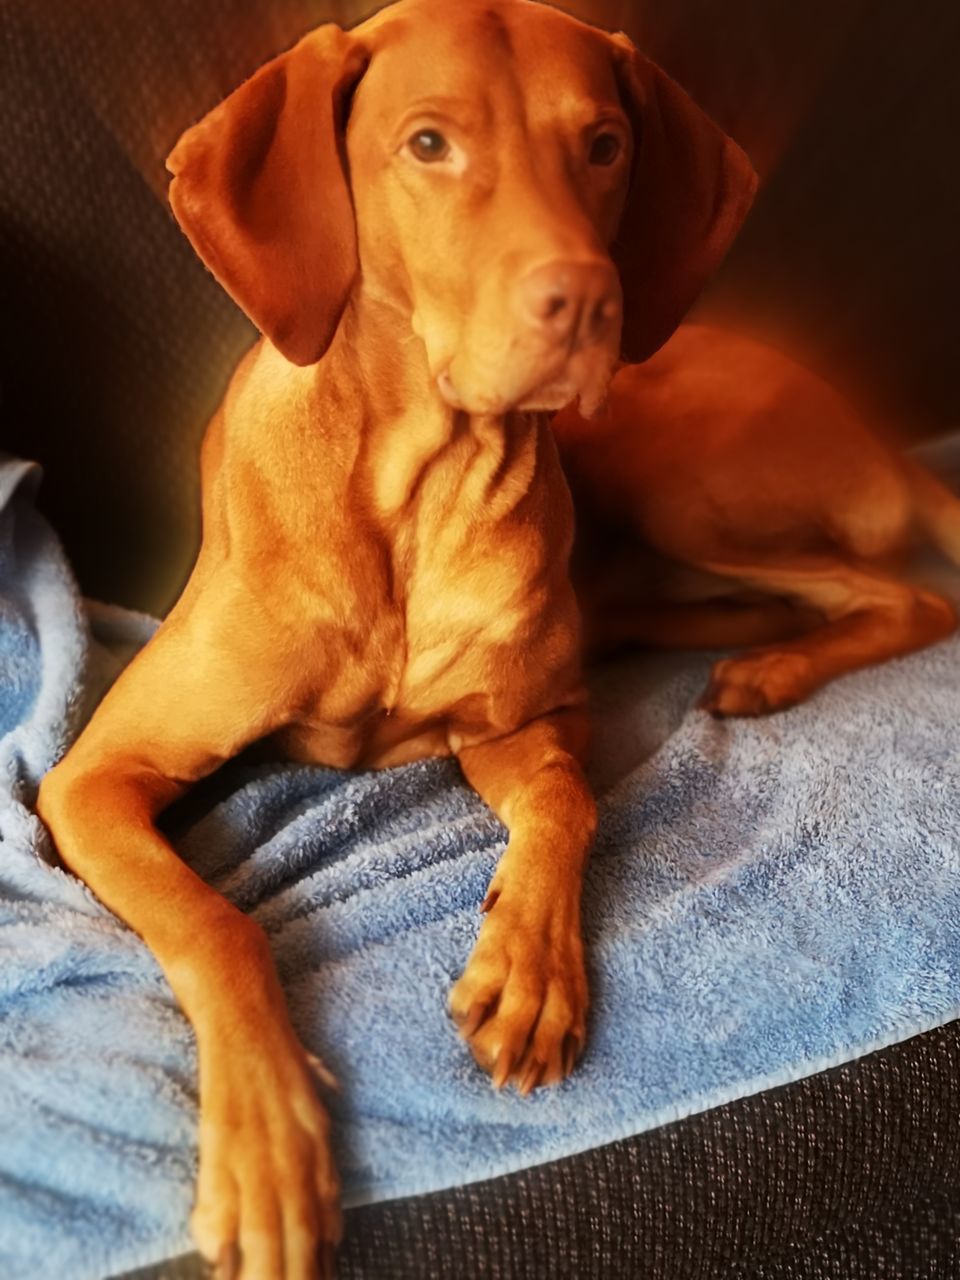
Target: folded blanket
[(766, 899)]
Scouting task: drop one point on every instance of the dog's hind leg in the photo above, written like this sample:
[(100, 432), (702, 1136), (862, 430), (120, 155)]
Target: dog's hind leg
[(870, 617), (719, 623)]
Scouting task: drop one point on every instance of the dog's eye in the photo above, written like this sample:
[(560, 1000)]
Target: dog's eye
[(429, 146), (605, 148)]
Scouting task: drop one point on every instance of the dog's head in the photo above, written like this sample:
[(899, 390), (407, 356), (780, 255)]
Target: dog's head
[(532, 194)]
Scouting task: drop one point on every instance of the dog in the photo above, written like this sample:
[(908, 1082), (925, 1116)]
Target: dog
[(728, 497), (446, 223)]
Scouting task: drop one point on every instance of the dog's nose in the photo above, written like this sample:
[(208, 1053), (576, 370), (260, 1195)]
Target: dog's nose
[(571, 302)]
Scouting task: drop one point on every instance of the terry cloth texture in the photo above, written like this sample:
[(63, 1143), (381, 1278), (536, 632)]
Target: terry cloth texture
[(766, 900)]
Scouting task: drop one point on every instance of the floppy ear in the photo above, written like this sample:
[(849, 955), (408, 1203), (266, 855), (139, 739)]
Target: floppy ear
[(261, 191), (690, 190)]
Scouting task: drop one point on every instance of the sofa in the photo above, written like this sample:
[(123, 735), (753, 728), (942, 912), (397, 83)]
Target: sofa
[(116, 348)]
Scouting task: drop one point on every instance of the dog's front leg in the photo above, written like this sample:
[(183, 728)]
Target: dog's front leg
[(522, 1000), (267, 1203)]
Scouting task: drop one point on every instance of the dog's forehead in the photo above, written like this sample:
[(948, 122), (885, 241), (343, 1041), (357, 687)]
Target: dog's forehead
[(509, 51)]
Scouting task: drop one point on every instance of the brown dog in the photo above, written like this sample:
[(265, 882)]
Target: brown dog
[(384, 567), (727, 497)]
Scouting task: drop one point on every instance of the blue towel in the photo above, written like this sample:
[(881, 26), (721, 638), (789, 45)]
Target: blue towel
[(766, 899)]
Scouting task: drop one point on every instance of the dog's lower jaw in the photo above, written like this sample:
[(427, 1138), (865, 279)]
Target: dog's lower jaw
[(521, 376), (549, 398), (448, 391), (554, 393)]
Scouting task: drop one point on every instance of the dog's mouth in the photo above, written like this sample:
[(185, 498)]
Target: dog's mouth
[(448, 391), (550, 396), (580, 378), (547, 397)]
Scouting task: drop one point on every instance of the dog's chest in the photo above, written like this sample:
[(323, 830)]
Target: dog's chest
[(474, 595), (473, 620)]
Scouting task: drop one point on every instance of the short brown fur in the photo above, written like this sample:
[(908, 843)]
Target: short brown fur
[(386, 527), (748, 504)]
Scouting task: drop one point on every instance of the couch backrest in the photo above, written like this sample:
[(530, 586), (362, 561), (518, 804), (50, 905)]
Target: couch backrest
[(115, 344)]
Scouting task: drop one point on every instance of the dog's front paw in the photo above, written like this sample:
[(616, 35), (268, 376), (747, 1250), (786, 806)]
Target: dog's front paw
[(759, 683), (521, 1003), (268, 1196)]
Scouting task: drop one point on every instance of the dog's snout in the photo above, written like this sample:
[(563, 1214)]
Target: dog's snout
[(570, 302)]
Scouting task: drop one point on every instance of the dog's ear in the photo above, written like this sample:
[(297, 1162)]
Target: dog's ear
[(690, 189), (260, 189)]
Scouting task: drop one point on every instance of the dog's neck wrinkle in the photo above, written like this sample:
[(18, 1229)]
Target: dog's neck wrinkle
[(406, 427)]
